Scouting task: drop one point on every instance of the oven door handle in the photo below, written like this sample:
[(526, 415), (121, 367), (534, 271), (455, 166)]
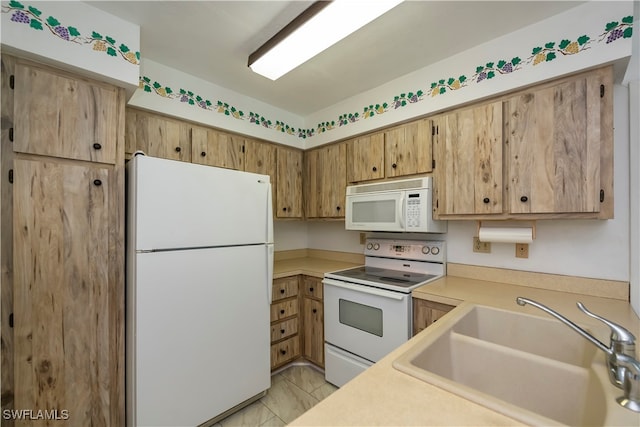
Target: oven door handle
[(365, 289)]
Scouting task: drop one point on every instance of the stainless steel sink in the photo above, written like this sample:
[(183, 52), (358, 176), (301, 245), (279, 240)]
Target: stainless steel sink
[(504, 360)]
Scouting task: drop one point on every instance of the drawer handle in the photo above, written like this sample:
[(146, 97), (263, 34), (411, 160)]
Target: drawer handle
[(97, 182), (315, 310), (281, 311), (283, 352), (375, 169), (97, 146), (394, 165), (524, 199), (178, 149), (486, 200), (203, 153), (282, 331), (282, 291), (310, 289)]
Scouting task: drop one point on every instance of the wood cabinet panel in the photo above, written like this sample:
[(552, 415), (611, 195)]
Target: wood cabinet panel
[(468, 144), (312, 287), (285, 351), (289, 183), (426, 313), (408, 149), (284, 329), (60, 116), (68, 296), (365, 158), (285, 287), (284, 309), (326, 182), (157, 136), (313, 322), (554, 148), (213, 148)]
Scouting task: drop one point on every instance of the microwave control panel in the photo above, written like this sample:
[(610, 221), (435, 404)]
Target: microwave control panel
[(414, 209)]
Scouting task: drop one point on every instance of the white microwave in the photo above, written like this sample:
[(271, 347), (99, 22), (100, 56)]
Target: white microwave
[(402, 206)]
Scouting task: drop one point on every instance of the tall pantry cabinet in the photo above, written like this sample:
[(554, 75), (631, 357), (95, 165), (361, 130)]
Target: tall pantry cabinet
[(65, 305)]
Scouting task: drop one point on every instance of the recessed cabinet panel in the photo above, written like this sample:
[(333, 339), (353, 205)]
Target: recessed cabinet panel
[(60, 116), (365, 158), (289, 183), (408, 149)]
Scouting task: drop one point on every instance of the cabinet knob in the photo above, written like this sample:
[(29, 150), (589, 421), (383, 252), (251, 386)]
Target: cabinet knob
[(178, 149), (314, 310), (524, 199), (282, 291), (486, 200), (281, 311), (282, 331), (283, 352), (310, 289), (97, 182), (375, 169), (337, 208), (203, 153), (284, 209), (97, 146), (394, 165)]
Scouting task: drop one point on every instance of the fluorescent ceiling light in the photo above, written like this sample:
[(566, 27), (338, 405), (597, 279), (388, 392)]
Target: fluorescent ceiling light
[(322, 25)]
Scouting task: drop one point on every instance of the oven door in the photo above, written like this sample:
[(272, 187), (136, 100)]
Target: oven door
[(366, 321)]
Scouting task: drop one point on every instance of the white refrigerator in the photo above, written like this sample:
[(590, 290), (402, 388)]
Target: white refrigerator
[(199, 271)]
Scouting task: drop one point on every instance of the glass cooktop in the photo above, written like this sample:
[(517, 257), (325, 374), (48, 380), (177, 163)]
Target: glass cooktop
[(383, 277)]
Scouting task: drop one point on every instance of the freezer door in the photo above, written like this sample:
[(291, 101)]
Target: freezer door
[(175, 204), (198, 334)]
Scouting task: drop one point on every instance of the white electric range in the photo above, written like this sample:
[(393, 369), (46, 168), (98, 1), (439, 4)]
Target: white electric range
[(368, 310)]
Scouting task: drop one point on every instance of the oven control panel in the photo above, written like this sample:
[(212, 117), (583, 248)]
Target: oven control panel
[(420, 250)]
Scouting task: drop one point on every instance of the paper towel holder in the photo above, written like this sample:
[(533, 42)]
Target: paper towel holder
[(533, 227)]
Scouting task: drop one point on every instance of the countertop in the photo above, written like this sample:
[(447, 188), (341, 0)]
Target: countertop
[(385, 396), (313, 263)]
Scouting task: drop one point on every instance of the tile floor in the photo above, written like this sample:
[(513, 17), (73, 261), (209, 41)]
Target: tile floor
[(293, 391)]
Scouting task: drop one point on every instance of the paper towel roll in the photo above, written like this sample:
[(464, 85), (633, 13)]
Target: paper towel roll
[(506, 235)]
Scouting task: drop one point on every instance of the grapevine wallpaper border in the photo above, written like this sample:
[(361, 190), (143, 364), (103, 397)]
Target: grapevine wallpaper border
[(31, 16), (538, 56)]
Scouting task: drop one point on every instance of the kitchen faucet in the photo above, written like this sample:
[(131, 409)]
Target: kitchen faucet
[(624, 369)]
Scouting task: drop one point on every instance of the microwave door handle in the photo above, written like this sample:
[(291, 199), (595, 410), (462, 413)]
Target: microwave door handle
[(401, 212)]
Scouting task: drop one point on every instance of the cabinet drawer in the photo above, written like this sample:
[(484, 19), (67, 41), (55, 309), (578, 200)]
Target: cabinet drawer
[(312, 287), (284, 309), (285, 288), (285, 351), (284, 329)]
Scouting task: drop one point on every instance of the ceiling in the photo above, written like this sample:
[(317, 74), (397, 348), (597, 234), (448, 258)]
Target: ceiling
[(213, 39)]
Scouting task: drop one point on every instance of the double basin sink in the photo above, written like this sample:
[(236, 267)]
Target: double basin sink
[(530, 368)]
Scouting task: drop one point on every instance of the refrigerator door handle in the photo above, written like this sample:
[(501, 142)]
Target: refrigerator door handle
[(269, 215), (270, 250)]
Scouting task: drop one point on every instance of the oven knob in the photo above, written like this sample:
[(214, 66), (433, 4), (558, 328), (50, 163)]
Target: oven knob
[(369, 246), (425, 249), (376, 246), (435, 250)]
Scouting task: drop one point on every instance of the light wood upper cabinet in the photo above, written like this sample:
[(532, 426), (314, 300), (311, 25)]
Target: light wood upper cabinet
[(468, 146), (157, 135), (62, 116), (555, 138), (326, 181), (408, 149), (365, 158), (213, 148), (261, 158), (544, 152), (288, 183)]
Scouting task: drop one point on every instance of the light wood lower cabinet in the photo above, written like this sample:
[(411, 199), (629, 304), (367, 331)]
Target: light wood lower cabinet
[(297, 321), (426, 313), (313, 320)]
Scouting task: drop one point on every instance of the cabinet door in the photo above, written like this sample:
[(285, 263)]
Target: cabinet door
[(312, 183), (68, 298), (289, 183), (365, 158), (261, 158), (426, 313), (554, 141), (213, 148), (408, 149), (468, 148), (157, 136), (334, 181), (313, 323), (61, 116)]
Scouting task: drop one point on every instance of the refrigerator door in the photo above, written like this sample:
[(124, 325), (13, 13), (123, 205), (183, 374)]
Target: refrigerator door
[(182, 205), (199, 329)]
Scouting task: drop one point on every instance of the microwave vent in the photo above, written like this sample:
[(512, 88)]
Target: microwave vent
[(405, 184)]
